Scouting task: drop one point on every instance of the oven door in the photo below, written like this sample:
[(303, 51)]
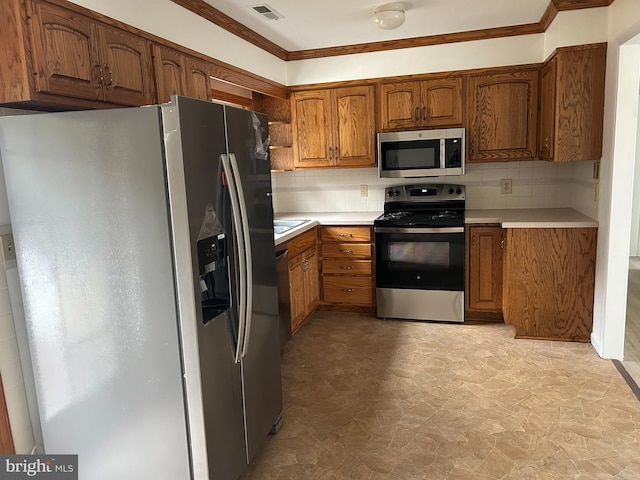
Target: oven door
[(420, 258)]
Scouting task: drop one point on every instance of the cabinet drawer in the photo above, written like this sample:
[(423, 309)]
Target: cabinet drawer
[(346, 234), (348, 290), (303, 241), (337, 266), (347, 250)]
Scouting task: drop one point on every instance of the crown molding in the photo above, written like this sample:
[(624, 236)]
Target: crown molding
[(206, 11), (203, 9)]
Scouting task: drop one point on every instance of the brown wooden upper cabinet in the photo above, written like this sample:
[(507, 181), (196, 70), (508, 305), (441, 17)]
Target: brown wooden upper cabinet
[(572, 104), (426, 103), (333, 127), (176, 73), (78, 57), (503, 115)]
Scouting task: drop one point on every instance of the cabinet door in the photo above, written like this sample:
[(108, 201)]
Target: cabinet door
[(547, 110), (399, 105), (64, 53), (580, 103), (126, 60), (311, 117), (549, 282), (170, 73), (485, 268), (353, 126), (503, 116), (441, 102), (198, 79), (296, 291)]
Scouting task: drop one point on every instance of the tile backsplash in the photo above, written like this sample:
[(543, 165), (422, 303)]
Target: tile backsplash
[(535, 184)]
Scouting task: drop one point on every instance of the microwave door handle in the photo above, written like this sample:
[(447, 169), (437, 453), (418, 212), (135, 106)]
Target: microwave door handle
[(242, 267), (443, 154)]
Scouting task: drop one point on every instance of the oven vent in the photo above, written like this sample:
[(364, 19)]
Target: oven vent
[(267, 12)]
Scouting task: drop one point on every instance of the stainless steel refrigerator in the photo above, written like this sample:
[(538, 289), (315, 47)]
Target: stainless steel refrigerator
[(145, 251)]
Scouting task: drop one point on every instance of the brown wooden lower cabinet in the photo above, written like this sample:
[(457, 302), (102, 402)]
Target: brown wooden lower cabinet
[(304, 289), (484, 272), (347, 268), (549, 276)]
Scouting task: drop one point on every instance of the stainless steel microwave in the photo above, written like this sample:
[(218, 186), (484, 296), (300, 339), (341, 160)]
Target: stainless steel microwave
[(421, 153)]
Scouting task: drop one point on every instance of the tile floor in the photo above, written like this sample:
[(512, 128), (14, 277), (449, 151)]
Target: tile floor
[(382, 399)]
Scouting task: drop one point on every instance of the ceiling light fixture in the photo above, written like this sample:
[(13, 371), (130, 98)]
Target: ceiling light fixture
[(389, 16)]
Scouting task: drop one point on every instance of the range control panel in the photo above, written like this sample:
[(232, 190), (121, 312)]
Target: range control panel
[(424, 193)]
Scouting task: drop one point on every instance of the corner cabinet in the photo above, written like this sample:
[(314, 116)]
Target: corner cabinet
[(333, 127), (503, 115), (426, 103), (572, 104), (78, 57), (549, 282), (304, 290), (484, 272)]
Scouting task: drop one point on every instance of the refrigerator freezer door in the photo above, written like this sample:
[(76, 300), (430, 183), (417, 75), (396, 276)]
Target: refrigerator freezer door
[(195, 141), (247, 135), (89, 213)]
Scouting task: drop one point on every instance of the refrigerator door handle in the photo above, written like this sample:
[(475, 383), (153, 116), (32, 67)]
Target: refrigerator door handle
[(242, 258), (247, 251)]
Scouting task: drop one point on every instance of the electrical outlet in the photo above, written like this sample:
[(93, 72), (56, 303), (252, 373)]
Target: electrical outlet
[(364, 190), (8, 249), (505, 185)]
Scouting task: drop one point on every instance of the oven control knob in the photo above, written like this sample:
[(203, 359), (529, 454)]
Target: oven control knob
[(451, 191), (459, 191)]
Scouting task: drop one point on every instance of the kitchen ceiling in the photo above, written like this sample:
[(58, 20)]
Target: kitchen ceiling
[(313, 24)]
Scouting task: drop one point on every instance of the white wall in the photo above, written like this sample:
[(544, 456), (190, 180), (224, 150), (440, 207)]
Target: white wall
[(173, 22), (616, 184), (436, 58)]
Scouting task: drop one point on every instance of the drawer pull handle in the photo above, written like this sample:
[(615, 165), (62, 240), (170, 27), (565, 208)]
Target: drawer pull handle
[(346, 251), (346, 267), (347, 289), (345, 235)]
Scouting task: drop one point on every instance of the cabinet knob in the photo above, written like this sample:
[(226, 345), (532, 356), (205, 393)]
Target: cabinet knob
[(473, 241), (502, 244), (345, 235), (424, 114), (346, 267), (346, 251), (347, 289)]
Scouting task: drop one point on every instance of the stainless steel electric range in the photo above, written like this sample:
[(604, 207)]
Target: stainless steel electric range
[(420, 253)]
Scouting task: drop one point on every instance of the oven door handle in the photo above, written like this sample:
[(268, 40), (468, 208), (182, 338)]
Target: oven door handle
[(418, 229)]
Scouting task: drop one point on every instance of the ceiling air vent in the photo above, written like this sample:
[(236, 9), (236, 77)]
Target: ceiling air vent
[(267, 12)]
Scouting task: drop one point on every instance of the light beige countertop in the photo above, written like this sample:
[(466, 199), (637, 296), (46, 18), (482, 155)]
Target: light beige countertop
[(322, 218), (531, 218)]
